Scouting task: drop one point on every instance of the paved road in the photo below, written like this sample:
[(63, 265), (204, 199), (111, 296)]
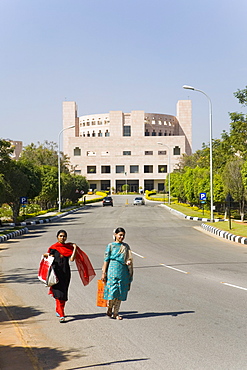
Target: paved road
[(186, 308)]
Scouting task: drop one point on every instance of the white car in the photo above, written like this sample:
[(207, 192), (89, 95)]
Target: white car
[(138, 200)]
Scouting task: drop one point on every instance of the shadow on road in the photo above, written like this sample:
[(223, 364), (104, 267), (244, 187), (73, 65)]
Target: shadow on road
[(108, 363), (27, 276), (128, 315), (29, 358), (18, 313)]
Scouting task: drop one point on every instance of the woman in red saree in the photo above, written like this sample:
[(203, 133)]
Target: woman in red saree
[(63, 252)]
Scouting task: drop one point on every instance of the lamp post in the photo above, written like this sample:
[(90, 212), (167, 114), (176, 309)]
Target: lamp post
[(126, 182), (58, 165), (210, 148), (168, 173)]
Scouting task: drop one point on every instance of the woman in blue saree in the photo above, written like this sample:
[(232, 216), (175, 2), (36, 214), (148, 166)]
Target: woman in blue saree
[(117, 273)]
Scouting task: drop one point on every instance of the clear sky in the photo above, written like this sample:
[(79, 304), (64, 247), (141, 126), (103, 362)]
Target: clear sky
[(119, 55)]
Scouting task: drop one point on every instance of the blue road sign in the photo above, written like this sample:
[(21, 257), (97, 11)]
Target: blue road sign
[(23, 200), (203, 196)]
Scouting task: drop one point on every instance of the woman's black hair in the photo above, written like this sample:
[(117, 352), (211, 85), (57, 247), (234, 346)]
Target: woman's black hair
[(119, 230), (62, 231)]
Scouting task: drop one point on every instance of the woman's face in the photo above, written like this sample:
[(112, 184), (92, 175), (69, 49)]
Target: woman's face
[(62, 238), (119, 237)]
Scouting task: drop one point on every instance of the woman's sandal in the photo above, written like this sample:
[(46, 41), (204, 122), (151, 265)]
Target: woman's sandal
[(117, 317), (62, 319)]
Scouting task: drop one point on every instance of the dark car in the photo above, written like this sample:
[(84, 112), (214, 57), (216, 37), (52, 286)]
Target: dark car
[(107, 201)]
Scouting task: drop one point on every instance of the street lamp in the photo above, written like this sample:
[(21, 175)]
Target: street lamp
[(58, 165), (210, 148), (126, 182), (168, 173)]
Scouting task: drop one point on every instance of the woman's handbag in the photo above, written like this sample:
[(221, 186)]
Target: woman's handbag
[(101, 302), (51, 277)]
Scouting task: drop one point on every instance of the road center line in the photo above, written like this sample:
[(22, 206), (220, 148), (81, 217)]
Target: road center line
[(173, 268), (136, 254), (234, 286)]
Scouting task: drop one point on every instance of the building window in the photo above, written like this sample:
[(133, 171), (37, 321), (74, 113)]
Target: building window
[(176, 150), (146, 133), (162, 152), (77, 172), (126, 152), (105, 169), (100, 133), (127, 131), (160, 133), (134, 169), (153, 133), (107, 133), (119, 169), (148, 169), (162, 168), (88, 134), (149, 152), (91, 169), (93, 134), (90, 153), (77, 151)]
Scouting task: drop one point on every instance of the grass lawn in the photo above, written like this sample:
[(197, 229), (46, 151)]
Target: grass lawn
[(189, 211), (237, 227)]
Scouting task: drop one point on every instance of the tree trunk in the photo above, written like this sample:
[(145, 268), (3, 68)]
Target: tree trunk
[(15, 206), (241, 209)]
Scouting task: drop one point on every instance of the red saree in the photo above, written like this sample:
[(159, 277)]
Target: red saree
[(84, 266)]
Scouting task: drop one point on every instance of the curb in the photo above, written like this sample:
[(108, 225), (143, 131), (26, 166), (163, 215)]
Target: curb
[(190, 217), (225, 234), (16, 233), (13, 234)]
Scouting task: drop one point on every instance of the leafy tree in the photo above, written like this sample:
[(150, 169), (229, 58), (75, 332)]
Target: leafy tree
[(241, 95), (49, 191), (234, 184), (45, 155), (17, 185), (73, 186)]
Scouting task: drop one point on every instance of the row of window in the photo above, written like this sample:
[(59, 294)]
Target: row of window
[(160, 133), (162, 168), (126, 132), (106, 121), (176, 151)]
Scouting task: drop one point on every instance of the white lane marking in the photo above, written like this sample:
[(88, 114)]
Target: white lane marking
[(173, 268), (234, 286), (136, 254)]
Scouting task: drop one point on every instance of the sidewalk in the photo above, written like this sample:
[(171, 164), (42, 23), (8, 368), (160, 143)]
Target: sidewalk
[(15, 353)]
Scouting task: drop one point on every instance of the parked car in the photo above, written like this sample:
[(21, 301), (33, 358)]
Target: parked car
[(107, 201), (138, 200)]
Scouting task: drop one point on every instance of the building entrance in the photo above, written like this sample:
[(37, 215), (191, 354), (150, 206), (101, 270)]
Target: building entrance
[(133, 185)]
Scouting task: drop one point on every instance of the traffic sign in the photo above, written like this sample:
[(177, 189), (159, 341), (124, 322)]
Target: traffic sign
[(203, 196), (23, 200)]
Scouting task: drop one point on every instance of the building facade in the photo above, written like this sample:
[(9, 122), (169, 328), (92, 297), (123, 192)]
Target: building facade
[(116, 148)]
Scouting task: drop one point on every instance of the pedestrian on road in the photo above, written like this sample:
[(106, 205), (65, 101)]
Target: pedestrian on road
[(62, 253), (117, 273)]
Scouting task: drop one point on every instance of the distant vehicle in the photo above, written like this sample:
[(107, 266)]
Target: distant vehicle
[(139, 200), (107, 201)]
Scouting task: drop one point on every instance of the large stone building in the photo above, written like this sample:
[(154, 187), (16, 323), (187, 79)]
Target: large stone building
[(136, 148)]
